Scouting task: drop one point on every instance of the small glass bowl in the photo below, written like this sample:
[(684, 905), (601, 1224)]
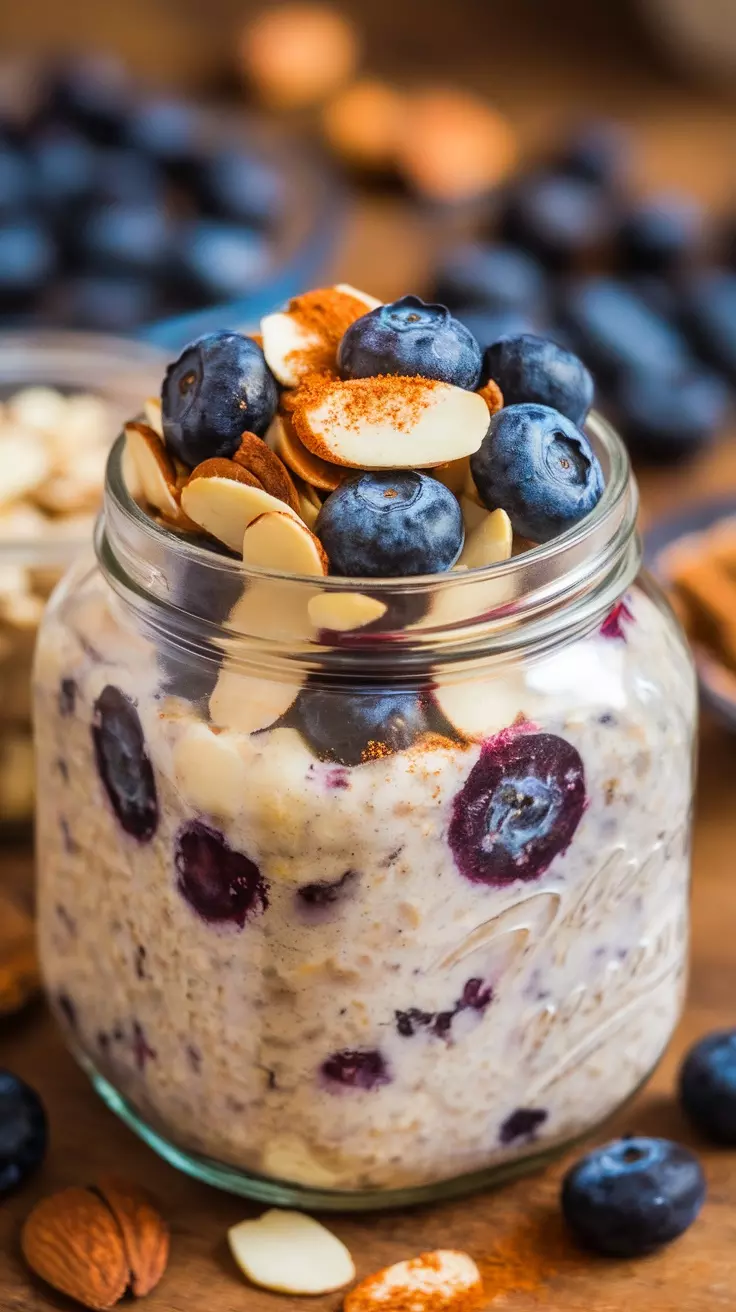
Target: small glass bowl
[(120, 372)]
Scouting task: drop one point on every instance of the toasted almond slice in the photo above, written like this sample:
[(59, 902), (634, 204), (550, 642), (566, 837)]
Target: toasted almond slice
[(492, 395), (442, 1280), (304, 339), (224, 503), (153, 468), (152, 411), (209, 770), (282, 439), (473, 514), (307, 510), (292, 1253), (279, 541), (24, 464), (343, 611), (453, 474), (469, 489), (489, 542), (246, 704), (390, 423), (268, 468)]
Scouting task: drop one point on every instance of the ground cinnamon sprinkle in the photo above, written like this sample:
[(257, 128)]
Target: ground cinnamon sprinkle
[(323, 315), (386, 399), (535, 1248)]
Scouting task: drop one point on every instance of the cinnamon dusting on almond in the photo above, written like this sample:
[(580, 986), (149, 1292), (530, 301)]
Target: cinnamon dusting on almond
[(492, 395), (323, 315), (387, 399)]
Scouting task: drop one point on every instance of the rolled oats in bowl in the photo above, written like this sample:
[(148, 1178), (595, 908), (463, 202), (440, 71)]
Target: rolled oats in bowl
[(62, 396)]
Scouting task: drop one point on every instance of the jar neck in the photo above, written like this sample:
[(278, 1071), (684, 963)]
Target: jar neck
[(195, 598)]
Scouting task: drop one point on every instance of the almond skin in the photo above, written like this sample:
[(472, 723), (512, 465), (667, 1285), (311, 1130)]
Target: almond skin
[(73, 1242), (219, 467), (274, 477), (145, 1233)]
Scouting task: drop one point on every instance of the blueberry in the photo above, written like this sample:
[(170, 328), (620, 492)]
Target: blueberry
[(632, 1196), (613, 626), (65, 168), (413, 339), (596, 152), (707, 1086), (564, 221), (123, 763), (519, 808), (27, 261), (667, 419), (522, 1124), (111, 303), (540, 468), (491, 277), (709, 315), (488, 325), (617, 332), (529, 368), (235, 184), (124, 176), (356, 1068), (350, 728), (170, 131), (659, 234), (23, 1132), (219, 261), (326, 893), (219, 387), (221, 885), (16, 181), (92, 93), (391, 524), (476, 996), (126, 238)]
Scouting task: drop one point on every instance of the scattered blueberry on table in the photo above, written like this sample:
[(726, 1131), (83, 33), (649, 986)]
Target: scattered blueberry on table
[(23, 1132), (707, 1086)]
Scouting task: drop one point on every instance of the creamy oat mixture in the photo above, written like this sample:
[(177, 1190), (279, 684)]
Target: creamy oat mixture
[(364, 1014)]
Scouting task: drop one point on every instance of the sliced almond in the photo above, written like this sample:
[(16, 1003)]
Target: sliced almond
[(443, 1280), (278, 541), (453, 474), (40, 408), (342, 611), (145, 1233), (247, 704), (489, 542), (152, 411), (479, 708), (77, 489), (73, 1242), (268, 468), (152, 467), (208, 769), (473, 514), (225, 503), (470, 490), (304, 339), (24, 464), (291, 1253), (308, 510), (282, 439), (370, 302), (492, 395), (390, 423)]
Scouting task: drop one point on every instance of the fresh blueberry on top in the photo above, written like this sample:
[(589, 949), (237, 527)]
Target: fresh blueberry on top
[(707, 1086), (413, 339), (529, 368), (709, 315), (123, 764), (491, 277), (618, 332), (562, 220), (519, 807), (363, 724), (659, 234), (540, 468), (670, 419), (356, 1068), (23, 1132), (391, 524), (223, 886), (219, 387), (632, 1196)]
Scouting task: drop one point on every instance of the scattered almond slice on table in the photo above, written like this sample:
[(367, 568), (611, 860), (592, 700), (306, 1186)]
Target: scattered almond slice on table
[(291, 1253), (279, 541), (223, 499), (304, 338), (444, 1280), (390, 422)]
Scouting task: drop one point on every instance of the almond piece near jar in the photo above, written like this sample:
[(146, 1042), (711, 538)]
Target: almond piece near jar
[(489, 542), (282, 439), (244, 703), (304, 338), (291, 1253), (390, 422), (24, 464), (73, 1242), (145, 1234), (258, 458), (278, 541), (223, 499), (444, 1280), (152, 472), (341, 612)]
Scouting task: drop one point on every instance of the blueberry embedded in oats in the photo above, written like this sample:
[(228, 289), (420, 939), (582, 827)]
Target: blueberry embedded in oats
[(123, 764), (356, 1068), (391, 524), (23, 1132), (476, 996), (632, 1196), (613, 624), (323, 894), (522, 1124), (411, 339), (142, 1050), (221, 885), (519, 809)]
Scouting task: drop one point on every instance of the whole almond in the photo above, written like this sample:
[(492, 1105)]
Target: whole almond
[(145, 1233), (73, 1242)]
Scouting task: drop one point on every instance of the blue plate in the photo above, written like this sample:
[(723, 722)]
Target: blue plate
[(717, 684)]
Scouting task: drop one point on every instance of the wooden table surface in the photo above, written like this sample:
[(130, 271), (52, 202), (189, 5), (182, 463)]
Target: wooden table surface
[(386, 251)]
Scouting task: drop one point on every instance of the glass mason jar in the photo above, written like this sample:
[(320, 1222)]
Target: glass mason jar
[(359, 893)]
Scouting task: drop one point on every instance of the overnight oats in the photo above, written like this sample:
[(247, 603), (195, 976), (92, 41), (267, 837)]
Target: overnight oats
[(365, 763)]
